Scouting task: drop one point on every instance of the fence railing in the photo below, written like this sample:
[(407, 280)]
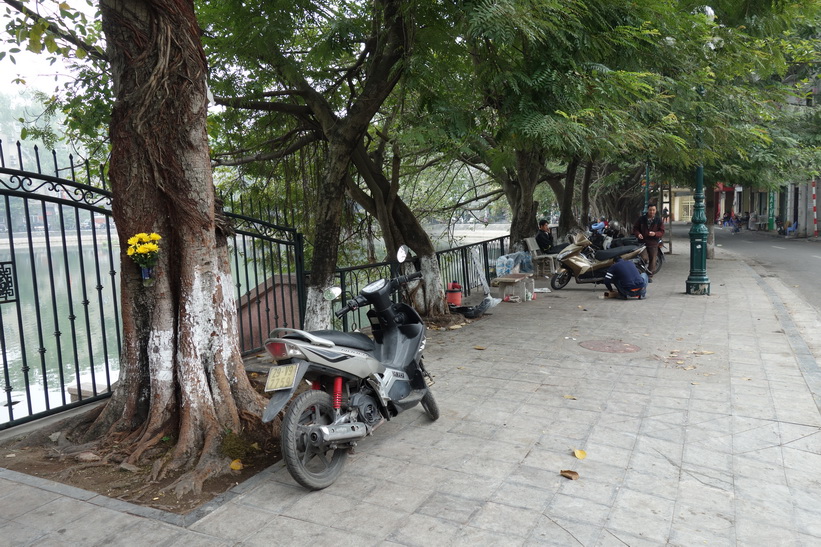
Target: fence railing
[(60, 331), (460, 264)]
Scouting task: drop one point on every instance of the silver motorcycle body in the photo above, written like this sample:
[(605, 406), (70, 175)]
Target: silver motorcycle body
[(356, 383)]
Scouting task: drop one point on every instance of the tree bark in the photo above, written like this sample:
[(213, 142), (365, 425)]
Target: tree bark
[(588, 176), (568, 221), (181, 372), (400, 227), (520, 190)]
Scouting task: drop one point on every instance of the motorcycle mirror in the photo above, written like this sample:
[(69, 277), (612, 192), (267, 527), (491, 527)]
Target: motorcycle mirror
[(402, 253), (332, 293)]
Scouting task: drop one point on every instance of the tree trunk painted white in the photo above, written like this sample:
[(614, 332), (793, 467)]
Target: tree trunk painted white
[(181, 370)]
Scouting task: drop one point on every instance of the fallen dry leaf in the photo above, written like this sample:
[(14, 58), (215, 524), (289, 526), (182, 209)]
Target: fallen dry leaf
[(236, 465), (569, 474), (479, 347), (454, 327), (581, 454), (694, 383), (690, 367), (569, 397), (679, 362)]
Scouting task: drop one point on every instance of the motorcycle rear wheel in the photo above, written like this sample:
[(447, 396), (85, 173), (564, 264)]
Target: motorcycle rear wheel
[(430, 406), (312, 467), (560, 279)]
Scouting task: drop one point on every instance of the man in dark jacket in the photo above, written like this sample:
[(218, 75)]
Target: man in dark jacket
[(544, 239), (649, 228), (627, 279)]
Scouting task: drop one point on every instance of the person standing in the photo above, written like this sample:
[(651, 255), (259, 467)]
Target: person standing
[(544, 239), (649, 228)]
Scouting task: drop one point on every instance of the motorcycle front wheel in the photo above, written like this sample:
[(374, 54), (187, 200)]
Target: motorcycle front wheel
[(430, 406), (311, 466), (560, 279)]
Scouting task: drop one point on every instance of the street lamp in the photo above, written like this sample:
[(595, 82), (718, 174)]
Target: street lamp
[(698, 282)]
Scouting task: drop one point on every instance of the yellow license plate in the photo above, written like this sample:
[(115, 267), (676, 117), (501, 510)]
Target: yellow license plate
[(281, 377)]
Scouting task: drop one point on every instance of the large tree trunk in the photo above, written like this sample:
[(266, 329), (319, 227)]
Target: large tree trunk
[(588, 176), (567, 221), (520, 191), (328, 218), (400, 227), (181, 372)]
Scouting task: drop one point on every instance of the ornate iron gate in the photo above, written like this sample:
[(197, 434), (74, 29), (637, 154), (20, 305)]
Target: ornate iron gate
[(60, 332)]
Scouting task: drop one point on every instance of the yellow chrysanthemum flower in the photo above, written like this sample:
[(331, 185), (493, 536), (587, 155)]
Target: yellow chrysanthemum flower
[(155, 236), (133, 240), (130, 251)]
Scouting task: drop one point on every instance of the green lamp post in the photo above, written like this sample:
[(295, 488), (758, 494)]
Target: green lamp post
[(698, 282)]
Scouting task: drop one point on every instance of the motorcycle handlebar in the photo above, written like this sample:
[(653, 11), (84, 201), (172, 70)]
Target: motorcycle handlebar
[(361, 300), (402, 279), (351, 305)]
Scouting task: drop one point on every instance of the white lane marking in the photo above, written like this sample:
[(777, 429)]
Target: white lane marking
[(777, 247)]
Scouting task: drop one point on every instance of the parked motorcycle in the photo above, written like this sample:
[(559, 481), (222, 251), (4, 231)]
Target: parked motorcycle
[(356, 383), (585, 267)]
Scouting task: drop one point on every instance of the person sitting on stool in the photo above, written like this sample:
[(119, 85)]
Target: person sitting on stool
[(544, 239), (629, 283)]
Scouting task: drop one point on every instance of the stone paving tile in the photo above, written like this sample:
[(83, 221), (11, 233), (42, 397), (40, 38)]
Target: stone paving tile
[(423, 531), (13, 533), (505, 519), (345, 514), (753, 532), (684, 536), (234, 522), (149, 532), (450, 507), (287, 531), (637, 511), (24, 500), (555, 531)]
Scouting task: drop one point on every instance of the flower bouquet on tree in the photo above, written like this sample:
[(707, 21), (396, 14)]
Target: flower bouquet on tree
[(144, 249)]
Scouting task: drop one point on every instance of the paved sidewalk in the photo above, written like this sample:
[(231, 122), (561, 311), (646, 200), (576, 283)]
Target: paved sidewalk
[(699, 416)]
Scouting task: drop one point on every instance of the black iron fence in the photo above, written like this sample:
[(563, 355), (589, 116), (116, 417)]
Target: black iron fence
[(60, 331), (59, 309), (463, 265)]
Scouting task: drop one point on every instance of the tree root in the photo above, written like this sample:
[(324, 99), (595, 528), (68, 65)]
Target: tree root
[(67, 473), (208, 467)]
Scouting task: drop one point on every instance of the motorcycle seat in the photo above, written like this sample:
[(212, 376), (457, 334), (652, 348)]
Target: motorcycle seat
[(355, 340), (607, 254)]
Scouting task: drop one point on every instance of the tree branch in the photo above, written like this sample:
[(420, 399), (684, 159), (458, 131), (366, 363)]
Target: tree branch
[(57, 31)]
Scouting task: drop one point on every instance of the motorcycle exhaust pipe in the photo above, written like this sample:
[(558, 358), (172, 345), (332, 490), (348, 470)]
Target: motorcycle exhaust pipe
[(340, 432)]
